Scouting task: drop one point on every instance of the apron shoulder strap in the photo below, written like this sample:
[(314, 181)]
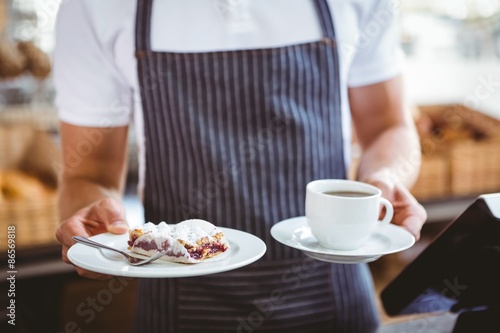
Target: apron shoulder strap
[(325, 18), (143, 25)]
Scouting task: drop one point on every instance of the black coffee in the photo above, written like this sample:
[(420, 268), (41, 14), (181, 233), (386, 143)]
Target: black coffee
[(348, 193)]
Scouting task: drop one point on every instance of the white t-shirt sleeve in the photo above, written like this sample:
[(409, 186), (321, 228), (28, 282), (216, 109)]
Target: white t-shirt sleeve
[(377, 55), (90, 91)]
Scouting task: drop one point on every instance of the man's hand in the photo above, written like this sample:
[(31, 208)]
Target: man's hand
[(91, 187), (408, 213), (106, 215), (387, 136)]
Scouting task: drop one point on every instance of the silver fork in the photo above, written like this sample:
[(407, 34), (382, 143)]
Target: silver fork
[(131, 260)]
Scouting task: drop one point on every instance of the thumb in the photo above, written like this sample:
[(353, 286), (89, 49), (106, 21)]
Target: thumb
[(118, 227), (111, 214)]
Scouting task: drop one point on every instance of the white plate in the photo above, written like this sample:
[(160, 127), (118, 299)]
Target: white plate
[(244, 249), (295, 233)]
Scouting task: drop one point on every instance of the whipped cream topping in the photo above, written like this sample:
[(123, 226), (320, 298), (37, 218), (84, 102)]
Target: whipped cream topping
[(188, 231), (180, 240)]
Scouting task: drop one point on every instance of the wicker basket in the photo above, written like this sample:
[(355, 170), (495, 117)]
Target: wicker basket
[(475, 168), (42, 117), (37, 218), (14, 141), (433, 181), (461, 153), (35, 222)]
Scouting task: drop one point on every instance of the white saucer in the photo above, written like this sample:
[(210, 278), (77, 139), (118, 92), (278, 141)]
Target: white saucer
[(295, 233)]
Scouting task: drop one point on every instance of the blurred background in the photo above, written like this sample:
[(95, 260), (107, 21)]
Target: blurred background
[(452, 84)]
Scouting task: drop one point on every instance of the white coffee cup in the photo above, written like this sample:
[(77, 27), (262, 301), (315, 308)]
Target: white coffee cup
[(342, 220)]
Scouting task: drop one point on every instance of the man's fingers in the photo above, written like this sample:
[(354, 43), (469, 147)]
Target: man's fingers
[(107, 215), (69, 228), (402, 194), (64, 255), (413, 225), (111, 214), (81, 271)]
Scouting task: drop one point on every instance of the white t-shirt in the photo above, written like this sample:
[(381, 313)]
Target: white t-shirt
[(95, 69)]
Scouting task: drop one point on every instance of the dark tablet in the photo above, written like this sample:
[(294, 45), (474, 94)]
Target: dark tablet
[(458, 271)]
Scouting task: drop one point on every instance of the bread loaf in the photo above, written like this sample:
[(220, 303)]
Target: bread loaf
[(37, 62), (17, 185), (12, 60)]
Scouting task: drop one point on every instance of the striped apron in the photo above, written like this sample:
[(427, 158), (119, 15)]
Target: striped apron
[(233, 137)]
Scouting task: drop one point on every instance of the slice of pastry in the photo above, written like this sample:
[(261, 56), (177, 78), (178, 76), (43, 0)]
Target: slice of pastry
[(190, 241)]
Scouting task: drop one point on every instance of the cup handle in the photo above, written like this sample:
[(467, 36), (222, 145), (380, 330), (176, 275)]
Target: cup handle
[(389, 212)]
